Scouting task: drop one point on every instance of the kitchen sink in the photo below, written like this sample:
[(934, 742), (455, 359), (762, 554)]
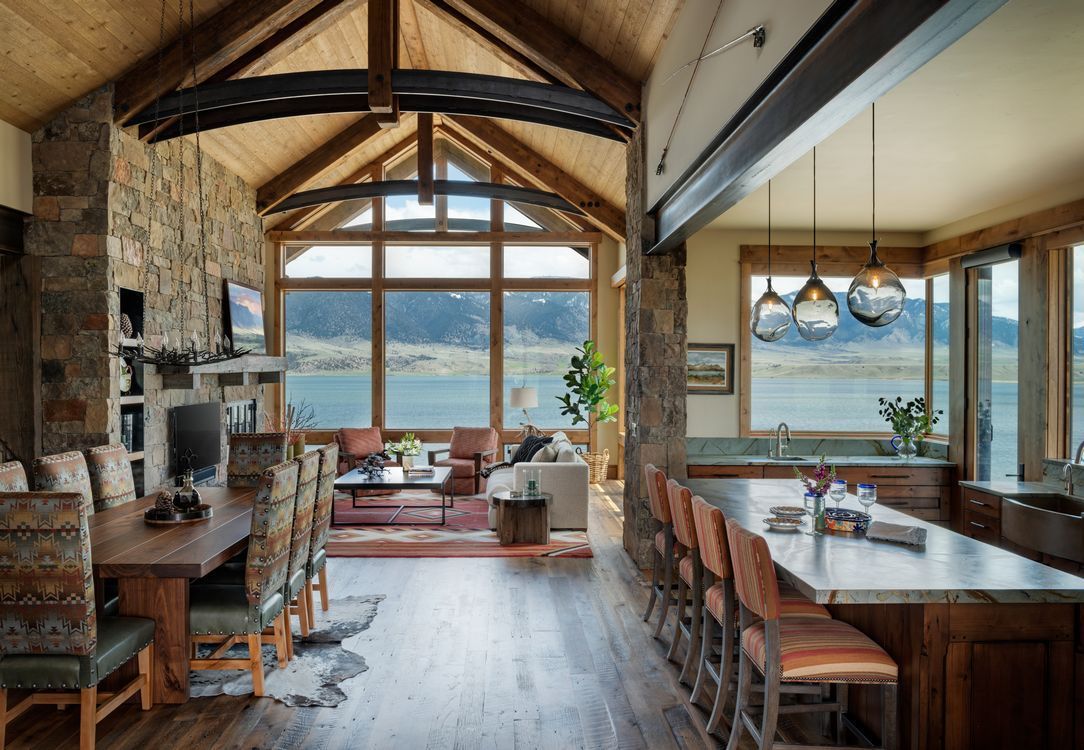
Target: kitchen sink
[(1051, 523), (790, 458)]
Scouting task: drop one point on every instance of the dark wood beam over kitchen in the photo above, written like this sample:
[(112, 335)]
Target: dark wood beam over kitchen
[(425, 159), (383, 58), (856, 52)]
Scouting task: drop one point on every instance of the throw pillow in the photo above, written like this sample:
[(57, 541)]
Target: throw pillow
[(530, 445)]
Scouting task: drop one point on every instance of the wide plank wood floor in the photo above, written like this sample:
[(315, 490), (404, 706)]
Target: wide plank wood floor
[(463, 653)]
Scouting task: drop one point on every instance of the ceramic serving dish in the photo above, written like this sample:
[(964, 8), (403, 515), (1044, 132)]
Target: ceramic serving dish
[(843, 519), (787, 511), (777, 523)]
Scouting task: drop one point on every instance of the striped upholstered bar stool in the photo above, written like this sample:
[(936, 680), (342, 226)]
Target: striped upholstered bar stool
[(251, 454), (690, 577), (796, 650), (665, 547), (13, 477), (720, 610), (111, 479)]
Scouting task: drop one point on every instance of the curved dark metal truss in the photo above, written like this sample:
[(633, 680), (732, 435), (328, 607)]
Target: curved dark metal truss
[(461, 188), (245, 100)]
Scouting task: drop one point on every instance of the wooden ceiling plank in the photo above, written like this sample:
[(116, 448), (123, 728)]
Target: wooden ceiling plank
[(554, 50), (425, 159), (383, 43), (411, 34), (311, 166), (534, 167), (222, 38)]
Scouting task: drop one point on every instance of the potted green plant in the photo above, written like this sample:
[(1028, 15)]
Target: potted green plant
[(911, 421), (406, 448), (588, 380)]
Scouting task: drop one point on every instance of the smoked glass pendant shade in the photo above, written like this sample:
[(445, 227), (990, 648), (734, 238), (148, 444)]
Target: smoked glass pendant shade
[(816, 312), (770, 318), (876, 295)]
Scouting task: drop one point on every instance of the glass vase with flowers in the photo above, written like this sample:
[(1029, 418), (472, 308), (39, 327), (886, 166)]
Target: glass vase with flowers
[(816, 487)]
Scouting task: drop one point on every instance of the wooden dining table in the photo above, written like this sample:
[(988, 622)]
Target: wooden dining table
[(154, 564)]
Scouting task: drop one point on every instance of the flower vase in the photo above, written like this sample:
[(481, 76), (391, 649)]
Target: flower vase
[(905, 447), (408, 461), (818, 512)]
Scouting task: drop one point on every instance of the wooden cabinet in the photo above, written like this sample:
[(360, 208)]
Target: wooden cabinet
[(726, 472)]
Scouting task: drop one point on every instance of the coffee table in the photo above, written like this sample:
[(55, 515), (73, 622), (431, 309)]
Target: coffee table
[(522, 520), (394, 478)]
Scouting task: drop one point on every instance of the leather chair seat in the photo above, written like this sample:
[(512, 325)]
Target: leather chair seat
[(296, 583), (319, 560), (119, 639), (217, 609)]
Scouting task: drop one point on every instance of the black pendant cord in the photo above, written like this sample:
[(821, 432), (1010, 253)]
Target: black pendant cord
[(814, 209), (769, 234), (202, 261), (873, 169)]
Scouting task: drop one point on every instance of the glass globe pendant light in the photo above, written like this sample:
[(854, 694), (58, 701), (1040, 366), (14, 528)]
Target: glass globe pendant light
[(770, 317), (816, 312), (876, 295)]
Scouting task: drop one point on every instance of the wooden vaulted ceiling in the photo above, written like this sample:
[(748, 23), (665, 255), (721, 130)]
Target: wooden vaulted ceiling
[(58, 50)]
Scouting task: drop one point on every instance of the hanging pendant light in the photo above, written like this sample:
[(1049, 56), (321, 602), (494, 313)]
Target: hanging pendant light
[(876, 295), (816, 312), (770, 317)]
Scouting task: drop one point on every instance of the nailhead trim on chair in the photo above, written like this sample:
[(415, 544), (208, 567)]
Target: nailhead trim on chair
[(65, 686)]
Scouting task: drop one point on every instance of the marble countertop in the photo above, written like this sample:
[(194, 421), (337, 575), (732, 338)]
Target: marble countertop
[(1008, 488), (749, 460), (850, 569)]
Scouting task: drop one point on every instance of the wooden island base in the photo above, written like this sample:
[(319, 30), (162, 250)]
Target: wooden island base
[(977, 675)]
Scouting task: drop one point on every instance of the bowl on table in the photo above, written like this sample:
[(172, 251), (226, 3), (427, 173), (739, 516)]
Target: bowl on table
[(787, 511), (844, 519), (780, 523)]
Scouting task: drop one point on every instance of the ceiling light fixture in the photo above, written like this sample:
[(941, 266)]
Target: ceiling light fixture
[(770, 317), (816, 312), (876, 295)]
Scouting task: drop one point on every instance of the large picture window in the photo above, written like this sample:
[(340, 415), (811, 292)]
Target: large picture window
[(833, 385)]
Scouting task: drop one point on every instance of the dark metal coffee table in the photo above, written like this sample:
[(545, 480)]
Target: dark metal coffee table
[(394, 478)]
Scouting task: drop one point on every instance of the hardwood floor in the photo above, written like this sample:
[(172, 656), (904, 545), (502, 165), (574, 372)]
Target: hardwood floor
[(463, 653)]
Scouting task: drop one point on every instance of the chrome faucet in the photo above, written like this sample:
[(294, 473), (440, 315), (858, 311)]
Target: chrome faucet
[(780, 446), (1067, 470)]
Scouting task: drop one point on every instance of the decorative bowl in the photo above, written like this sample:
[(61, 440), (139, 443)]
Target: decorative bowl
[(787, 511), (777, 523), (842, 519)]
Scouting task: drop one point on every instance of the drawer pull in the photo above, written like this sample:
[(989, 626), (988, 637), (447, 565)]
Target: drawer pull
[(890, 476), (977, 525), (979, 503)]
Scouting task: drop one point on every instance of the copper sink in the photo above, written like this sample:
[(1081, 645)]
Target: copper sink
[(1052, 524)]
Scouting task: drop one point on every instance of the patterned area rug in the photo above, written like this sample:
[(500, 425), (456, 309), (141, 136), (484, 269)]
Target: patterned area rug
[(466, 532), (322, 660)]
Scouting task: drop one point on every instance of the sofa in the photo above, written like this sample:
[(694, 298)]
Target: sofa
[(564, 475)]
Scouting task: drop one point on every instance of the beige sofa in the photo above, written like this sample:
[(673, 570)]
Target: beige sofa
[(564, 475)]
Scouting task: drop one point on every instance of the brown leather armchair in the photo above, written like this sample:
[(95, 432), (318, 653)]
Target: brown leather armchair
[(355, 444), (471, 449)]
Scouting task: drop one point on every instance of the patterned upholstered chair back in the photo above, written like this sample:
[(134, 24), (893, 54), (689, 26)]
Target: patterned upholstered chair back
[(681, 511), (325, 496), (110, 476), (269, 544), (13, 477), (46, 580), (711, 534), (252, 453), (301, 534), (754, 573), (64, 472), (656, 493)]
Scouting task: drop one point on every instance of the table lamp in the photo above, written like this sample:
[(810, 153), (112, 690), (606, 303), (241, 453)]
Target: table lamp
[(525, 398)]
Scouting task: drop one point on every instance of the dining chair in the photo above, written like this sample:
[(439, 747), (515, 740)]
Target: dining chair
[(300, 541), (720, 608), (225, 614), (111, 479), (666, 548), (787, 650), (316, 567), (64, 472), (53, 640), (690, 578), (467, 455), (13, 477), (251, 454)]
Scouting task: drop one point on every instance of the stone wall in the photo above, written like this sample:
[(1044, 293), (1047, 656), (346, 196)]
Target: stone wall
[(104, 204), (656, 310)]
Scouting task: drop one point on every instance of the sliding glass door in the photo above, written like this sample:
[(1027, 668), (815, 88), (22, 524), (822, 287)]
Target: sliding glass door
[(996, 361)]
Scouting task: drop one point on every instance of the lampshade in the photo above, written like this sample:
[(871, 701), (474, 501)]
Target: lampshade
[(523, 398), (816, 312), (770, 318), (876, 295)]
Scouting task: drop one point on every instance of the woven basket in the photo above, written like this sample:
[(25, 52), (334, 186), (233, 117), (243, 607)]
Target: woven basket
[(598, 465)]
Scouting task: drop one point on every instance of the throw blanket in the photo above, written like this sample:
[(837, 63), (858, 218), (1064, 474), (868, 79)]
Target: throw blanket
[(530, 446), (894, 532)]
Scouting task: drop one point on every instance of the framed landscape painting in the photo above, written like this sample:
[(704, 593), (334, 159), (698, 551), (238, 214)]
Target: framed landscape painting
[(244, 317), (711, 369)]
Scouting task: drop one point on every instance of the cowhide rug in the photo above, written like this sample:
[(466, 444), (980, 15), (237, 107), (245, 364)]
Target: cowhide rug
[(321, 661)]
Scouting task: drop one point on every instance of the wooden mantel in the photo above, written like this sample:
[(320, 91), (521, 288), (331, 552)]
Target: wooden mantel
[(251, 369)]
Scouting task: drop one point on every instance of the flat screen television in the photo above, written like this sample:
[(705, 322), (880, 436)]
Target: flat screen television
[(196, 436)]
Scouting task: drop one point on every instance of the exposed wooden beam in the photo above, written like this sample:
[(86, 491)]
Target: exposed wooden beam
[(383, 49), (1034, 224), (532, 166), (411, 33), (425, 159), (311, 166), (856, 52), (551, 48), (221, 40)]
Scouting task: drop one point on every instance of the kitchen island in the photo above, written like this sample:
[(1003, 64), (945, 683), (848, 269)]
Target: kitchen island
[(988, 642)]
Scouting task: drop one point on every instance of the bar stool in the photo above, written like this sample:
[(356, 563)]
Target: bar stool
[(665, 547), (690, 577), (796, 650), (720, 610)]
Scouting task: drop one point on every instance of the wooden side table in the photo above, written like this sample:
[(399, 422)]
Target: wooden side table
[(522, 520)]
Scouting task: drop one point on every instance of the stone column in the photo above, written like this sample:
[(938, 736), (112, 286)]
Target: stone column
[(656, 310)]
